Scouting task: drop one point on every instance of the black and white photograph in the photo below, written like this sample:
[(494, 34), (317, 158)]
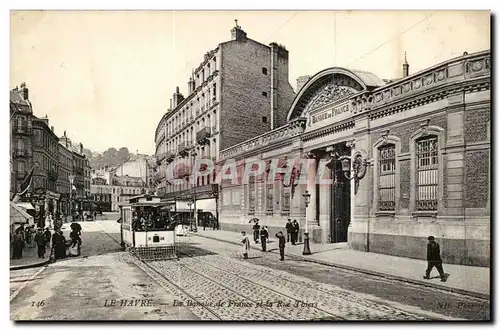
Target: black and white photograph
[(250, 165)]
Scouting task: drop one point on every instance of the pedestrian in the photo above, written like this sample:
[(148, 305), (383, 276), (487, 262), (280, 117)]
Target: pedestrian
[(47, 234), (256, 231), (295, 236), (281, 245), (18, 244), (28, 235), (289, 230), (214, 224), (59, 244), (264, 235), (40, 242), (76, 243), (204, 221), (246, 244), (434, 259)]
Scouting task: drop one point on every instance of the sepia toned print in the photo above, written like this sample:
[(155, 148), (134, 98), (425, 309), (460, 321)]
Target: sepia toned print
[(318, 165)]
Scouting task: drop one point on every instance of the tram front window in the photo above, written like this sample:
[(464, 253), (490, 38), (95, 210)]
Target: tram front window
[(152, 221)]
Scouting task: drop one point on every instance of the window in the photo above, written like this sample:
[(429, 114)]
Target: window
[(269, 199), (264, 94), (387, 177), (251, 198), (264, 119), (285, 203), (264, 70), (21, 168), (427, 173)]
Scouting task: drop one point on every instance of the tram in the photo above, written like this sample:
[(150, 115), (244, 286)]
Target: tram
[(148, 228)]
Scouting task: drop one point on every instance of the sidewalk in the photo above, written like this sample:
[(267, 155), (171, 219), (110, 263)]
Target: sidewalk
[(30, 259), (469, 280)]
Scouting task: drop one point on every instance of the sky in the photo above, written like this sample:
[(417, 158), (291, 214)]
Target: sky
[(106, 77)]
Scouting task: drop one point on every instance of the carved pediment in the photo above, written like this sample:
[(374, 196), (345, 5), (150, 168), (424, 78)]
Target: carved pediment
[(329, 93)]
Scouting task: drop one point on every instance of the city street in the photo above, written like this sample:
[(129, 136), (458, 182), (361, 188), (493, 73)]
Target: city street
[(210, 281)]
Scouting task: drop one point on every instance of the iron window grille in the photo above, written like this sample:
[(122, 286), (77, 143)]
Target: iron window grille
[(427, 173), (269, 200), (251, 198), (285, 203), (387, 178)]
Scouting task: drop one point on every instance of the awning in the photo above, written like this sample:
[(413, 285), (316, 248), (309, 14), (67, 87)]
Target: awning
[(18, 215), (182, 206), (25, 205), (207, 205)]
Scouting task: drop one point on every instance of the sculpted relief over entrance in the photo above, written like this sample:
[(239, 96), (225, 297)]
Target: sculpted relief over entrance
[(329, 93)]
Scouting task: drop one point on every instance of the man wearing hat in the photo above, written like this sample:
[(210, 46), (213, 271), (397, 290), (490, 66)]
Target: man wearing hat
[(434, 259), (40, 242)]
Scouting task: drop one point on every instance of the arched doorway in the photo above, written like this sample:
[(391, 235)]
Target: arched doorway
[(340, 215)]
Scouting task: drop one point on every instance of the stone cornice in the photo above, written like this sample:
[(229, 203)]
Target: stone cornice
[(464, 69), (332, 129), (294, 128)]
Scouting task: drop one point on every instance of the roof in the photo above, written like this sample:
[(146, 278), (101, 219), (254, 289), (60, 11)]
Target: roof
[(368, 78), (16, 98)]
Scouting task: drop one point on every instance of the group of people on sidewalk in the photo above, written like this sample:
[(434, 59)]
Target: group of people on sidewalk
[(29, 238), (292, 229), (263, 233)]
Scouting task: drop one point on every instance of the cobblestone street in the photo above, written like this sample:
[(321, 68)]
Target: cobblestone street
[(210, 281)]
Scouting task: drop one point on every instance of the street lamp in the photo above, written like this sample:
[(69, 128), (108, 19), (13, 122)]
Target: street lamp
[(189, 203), (71, 178), (307, 200)]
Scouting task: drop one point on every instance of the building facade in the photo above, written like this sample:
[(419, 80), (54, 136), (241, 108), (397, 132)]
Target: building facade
[(21, 136), (121, 189), (46, 158), (35, 146), (387, 163), (239, 91), (65, 170)]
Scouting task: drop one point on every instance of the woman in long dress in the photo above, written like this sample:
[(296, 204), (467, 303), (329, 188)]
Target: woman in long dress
[(246, 245)]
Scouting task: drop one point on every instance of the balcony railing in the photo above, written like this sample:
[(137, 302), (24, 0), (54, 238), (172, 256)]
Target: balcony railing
[(18, 152), (21, 175), (183, 149), (170, 156), (22, 129), (203, 135)]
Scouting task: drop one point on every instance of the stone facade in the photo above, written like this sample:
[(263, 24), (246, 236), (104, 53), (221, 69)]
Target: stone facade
[(417, 152)]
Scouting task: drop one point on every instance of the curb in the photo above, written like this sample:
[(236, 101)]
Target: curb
[(32, 265), (369, 272)]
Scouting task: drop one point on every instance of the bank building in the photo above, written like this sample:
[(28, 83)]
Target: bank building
[(408, 158)]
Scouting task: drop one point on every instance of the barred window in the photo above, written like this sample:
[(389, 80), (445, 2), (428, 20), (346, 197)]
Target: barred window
[(427, 173), (251, 198), (285, 203), (269, 199), (387, 178)]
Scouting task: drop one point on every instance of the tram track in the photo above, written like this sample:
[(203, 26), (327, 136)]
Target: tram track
[(335, 316), (206, 311)]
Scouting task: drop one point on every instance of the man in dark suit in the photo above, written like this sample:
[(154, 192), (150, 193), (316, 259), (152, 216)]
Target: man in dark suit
[(434, 259), (295, 236), (289, 230), (281, 245)]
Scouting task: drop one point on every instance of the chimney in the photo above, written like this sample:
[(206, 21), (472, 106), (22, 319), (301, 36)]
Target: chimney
[(52, 128), (81, 148), (406, 68), (237, 33), (177, 97), (301, 81), (24, 91), (170, 103), (190, 85)]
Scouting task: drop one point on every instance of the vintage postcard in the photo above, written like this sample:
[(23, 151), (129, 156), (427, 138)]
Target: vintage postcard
[(250, 165)]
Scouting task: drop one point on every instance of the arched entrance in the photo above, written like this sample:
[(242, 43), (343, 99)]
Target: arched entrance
[(340, 214)]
